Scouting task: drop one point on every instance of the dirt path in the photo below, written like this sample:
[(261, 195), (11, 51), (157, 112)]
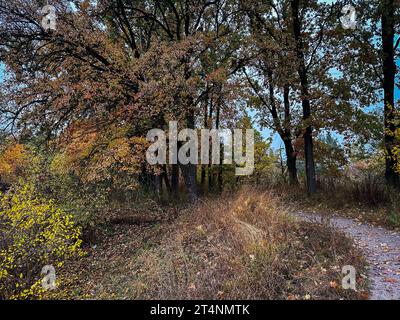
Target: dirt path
[(382, 251)]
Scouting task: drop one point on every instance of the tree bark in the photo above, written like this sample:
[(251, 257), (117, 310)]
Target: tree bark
[(203, 176), (203, 166), (217, 125), (189, 171), (291, 158), (291, 154), (302, 71), (389, 74), (166, 178), (210, 176), (158, 184), (175, 179)]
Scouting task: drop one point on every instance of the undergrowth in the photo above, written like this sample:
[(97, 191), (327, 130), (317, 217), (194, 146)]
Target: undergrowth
[(241, 246)]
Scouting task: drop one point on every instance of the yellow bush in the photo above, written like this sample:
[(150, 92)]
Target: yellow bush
[(33, 233)]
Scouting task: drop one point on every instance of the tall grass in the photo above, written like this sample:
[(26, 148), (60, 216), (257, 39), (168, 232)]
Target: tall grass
[(242, 246)]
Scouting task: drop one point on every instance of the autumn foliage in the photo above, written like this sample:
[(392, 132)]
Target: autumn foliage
[(13, 161), (34, 233), (77, 102)]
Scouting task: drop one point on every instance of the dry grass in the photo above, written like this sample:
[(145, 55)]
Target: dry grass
[(242, 246), (365, 201)]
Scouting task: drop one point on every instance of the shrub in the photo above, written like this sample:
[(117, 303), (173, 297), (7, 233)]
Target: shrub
[(365, 183), (370, 190), (393, 209), (34, 233), (362, 185)]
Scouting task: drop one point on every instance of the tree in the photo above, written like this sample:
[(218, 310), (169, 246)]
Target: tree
[(370, 54), (109, 63), (305, 101), (297, 93), (271, 76), (389, 74)]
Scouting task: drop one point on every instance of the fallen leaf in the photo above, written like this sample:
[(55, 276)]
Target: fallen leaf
[(192, 286)]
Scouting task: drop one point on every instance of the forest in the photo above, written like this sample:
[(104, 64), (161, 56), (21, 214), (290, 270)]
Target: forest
[(199, 150)]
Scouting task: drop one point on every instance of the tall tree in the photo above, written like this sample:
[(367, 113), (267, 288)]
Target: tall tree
[(389, 74), (271, 75), (293, 75), (110, 62), (305, 100), (369, 56)]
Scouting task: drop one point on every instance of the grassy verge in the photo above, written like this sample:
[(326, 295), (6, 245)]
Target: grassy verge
[(338, 203), (242, 246)]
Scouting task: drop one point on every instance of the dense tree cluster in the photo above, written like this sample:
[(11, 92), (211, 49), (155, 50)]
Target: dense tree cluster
[(114, 69)]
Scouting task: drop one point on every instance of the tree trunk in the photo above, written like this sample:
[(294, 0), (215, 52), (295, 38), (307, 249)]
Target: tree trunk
[(189, 176), (158, 185), (291, 155), (389, 74), (308, 140), (217, 125), (166, 178), (282, 167), (210, 176), (291, 158), (203, 166), (175, 179), (189, 171), (203, 176)]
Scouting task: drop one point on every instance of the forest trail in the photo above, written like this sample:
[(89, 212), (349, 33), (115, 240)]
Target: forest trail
[(381, 248)]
